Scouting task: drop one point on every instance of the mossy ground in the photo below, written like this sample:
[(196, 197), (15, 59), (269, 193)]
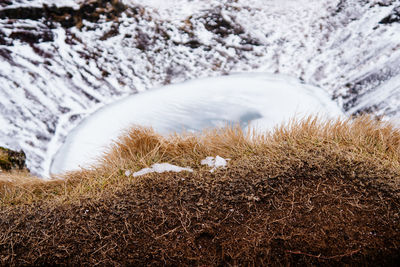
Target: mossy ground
[(311, 192), (11, 160)]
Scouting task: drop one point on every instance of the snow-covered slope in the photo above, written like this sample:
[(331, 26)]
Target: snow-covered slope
[(261, 100), (60, 63)]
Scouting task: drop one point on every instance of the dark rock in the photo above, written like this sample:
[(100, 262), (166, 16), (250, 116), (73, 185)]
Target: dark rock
[(67, 16), (32, 37), (105, 73), (193, 44), (12, 160), (33, 13), (64, 110), (393, 17), (4, 3), (365, 84), (6, 54), (111, 33), (143, 41), (3, 40), (216, 23)]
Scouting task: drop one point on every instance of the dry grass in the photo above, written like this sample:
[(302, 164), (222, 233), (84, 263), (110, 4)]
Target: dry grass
[(310, 193), (323, 144), (20, 187), (351, 141), (3, 155), (3, 158)]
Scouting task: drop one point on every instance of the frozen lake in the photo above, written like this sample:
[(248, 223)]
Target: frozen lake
[(253, 99)]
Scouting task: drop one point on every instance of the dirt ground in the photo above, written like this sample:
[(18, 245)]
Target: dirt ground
[(241, 215)]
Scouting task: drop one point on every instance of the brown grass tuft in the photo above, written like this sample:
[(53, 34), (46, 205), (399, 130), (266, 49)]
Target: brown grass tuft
[(20, 187), (310, 192), (3, 155), (358, 140)]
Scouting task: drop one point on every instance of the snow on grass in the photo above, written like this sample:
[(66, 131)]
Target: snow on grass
[(158, 168), (215, 162)]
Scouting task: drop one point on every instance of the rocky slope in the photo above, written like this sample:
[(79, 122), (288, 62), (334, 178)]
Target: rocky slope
[(60, 62)]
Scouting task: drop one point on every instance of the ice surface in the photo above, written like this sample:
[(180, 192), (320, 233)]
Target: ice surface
[(159, 168), (255, 100)]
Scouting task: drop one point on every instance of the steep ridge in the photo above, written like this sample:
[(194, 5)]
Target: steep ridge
[(59, 63)]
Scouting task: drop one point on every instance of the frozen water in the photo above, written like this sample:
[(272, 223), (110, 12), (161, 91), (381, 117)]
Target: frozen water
[(255, 100)]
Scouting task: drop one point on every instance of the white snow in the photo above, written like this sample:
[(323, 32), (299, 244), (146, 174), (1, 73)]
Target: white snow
[(254, 99), (173, 9), (39, 3), (159, 168), (385, 92), (215, 163), (210, 161)]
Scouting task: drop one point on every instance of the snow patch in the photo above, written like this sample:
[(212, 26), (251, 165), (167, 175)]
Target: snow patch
[(159, 168), (215, 163), (173, 9), (39, 3)]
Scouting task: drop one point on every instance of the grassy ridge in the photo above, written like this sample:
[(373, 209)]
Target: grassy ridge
[(310, 192)]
